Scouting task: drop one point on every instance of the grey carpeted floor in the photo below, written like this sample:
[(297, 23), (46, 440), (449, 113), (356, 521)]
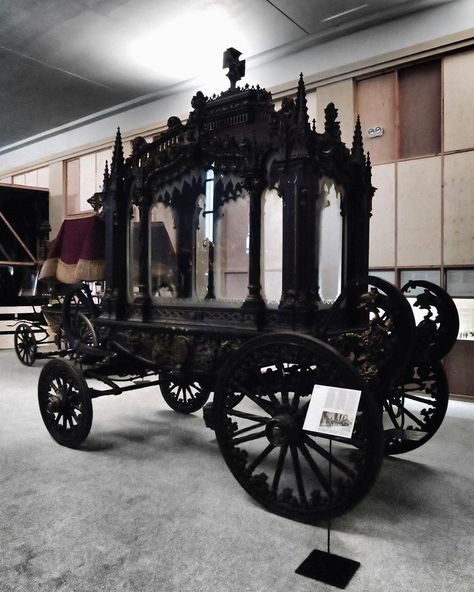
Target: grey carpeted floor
[(148, 505)]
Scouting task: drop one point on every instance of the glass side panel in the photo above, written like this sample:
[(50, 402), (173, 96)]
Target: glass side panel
[(201, 251), (329, 245), (134, 251), (163, 268), (232, 249), (272, 240)]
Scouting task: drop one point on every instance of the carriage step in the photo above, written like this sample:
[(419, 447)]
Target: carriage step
[(208, 415), (400, 434)]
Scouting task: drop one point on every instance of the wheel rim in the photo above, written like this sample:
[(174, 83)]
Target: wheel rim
[(64, 403), (416, 409), (25, 345), (184, 397), (262, 437)]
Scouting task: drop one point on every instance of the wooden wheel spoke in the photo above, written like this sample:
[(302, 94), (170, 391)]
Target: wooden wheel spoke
[(250, 416), (254, 464), (314, 467), (423, 400), (389, 410), (333, 459), (262, 403), (279, 467), (359, 444), (298, 474), (248, 438), (189, 392), (249, 428), (414, 418)]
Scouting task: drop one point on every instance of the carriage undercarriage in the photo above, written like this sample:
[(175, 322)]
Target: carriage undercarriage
[(261, 383)]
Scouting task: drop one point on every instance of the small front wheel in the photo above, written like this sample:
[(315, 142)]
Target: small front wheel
[(25, 344), (185, 396), (65, 403)]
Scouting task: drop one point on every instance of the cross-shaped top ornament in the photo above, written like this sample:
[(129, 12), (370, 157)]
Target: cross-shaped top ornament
[(236, 67)]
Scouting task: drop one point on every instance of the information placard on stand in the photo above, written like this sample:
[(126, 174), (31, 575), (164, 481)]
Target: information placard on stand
[(332, 411)]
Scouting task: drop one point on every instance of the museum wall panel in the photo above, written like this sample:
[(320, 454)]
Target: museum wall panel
[(57, 204), (459, 209), (382, 223), (458, 94), (419, 212), (375, 103)]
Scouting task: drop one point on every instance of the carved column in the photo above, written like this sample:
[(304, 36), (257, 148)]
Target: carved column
[(255, 185), (142, 201)]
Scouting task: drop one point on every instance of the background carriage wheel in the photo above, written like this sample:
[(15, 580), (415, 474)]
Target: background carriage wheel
[(25, 344), (64, 402), (78, 310), (262, 440), (416, 408), (184, 396)]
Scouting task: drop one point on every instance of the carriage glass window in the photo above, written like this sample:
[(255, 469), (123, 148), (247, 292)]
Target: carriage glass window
[(222, 244), (134, 251), (163, 268), (329, 243), (272, 254)]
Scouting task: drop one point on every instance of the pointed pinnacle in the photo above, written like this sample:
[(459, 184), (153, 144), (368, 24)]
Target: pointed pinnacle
[(105, 181), (301, 110), (117, 157), (357, 143)]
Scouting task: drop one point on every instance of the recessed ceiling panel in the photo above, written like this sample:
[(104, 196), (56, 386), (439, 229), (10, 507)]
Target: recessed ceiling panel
[(36, 98)]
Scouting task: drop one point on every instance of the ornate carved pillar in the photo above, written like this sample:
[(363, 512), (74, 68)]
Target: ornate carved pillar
[(142, 200), (255, 184)]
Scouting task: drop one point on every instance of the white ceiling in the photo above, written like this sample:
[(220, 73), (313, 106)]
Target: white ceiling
[(61, 60)]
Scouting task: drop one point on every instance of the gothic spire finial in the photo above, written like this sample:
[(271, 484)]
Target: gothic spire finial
[(368, 167), (105, 182), (301, 110), (357, 143), (117, 157)]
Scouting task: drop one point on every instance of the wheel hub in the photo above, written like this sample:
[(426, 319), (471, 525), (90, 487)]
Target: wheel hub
[(283, 429), (57, 400)]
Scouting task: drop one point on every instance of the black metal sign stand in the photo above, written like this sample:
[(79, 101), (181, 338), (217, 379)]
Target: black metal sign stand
[(324, 566)]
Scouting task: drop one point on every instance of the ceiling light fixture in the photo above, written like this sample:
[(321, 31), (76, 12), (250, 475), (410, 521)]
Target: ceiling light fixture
[(339, 14), (184, 47)]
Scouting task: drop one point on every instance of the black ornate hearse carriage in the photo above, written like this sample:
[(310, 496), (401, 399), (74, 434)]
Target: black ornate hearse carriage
[(205, 227)]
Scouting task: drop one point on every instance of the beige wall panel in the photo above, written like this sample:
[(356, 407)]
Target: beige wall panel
[(342, 95), (419, 212), (57, 201), (311, 104), (382, 222), (458, 95), (459, 209), (376, 106)]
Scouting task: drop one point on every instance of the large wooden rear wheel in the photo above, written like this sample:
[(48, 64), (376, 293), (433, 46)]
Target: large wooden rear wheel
[(262, 440)]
